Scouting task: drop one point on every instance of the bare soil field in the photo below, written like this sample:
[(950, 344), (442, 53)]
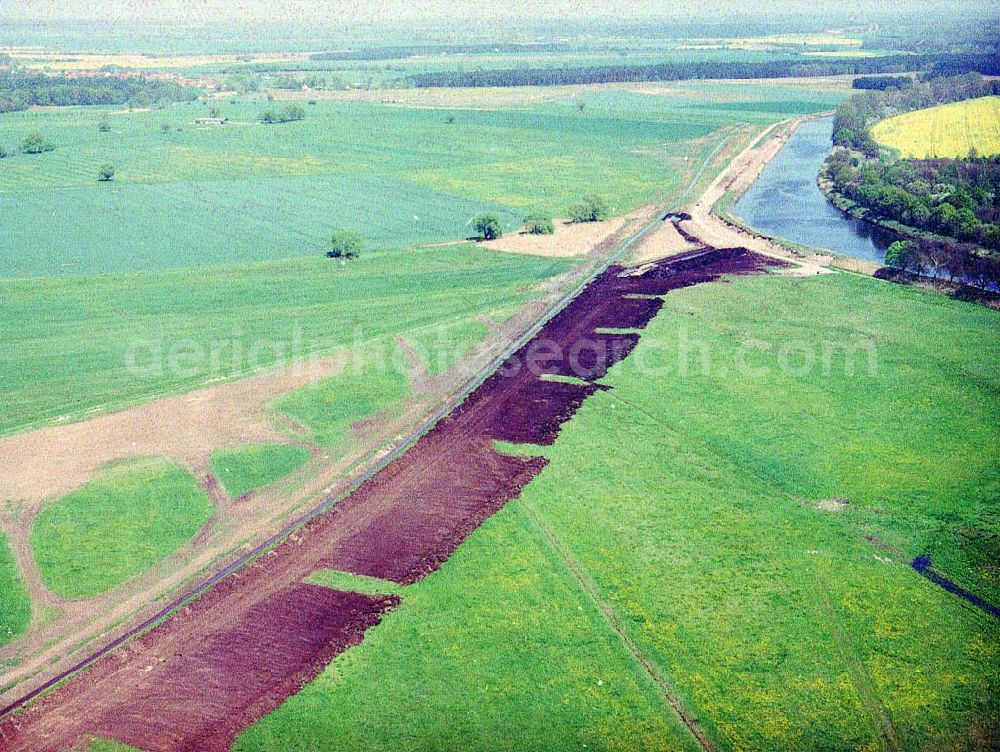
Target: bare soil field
[(662, 242), (569, 239), (232, 655)]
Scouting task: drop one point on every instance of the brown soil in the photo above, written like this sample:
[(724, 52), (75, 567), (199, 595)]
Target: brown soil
[(53, 461), (233, 655)]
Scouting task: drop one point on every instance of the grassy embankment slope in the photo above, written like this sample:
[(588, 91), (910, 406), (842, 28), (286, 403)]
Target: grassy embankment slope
[(948, 130), (696, 508)]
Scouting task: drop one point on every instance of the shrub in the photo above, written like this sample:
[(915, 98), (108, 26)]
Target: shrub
[(104, 126), (35, 143), (901, 255), (488, 226), (106, 173), (591, 209), (345, 244), (539, 224), (287, 115)]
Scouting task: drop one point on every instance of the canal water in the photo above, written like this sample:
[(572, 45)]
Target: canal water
[(785, 201)]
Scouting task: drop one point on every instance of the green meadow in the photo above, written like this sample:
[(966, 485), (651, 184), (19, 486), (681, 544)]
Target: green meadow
[(212, 237), (186, 194), (125, 520), (16, 613), (247, 468), (693, 507), (75, 346)]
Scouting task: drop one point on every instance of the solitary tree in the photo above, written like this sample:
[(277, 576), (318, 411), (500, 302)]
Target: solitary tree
[(104, 126), (106, 173), (165, 127), (591, 209), (488, 226), (345, 244), (539, 224), (901, 255)]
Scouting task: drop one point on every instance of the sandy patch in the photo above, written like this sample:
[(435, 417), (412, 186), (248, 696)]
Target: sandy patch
[(569, 239), (664, 241), (53, 461)]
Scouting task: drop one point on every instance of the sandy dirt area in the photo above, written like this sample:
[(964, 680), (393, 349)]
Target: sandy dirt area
[(738, 177), (569, 238), (664, 241), (53, 461)]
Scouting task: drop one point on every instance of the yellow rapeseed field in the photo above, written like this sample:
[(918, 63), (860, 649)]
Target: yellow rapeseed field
[(948, 130)]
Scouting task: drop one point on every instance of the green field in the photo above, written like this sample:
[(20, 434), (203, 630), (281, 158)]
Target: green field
[(948, 130), (246, 468), (243, 192), (119, 524), (68, 342), (328, 408), (693, 507), (16, 613)]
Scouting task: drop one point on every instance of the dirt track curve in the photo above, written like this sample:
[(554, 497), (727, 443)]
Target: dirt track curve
[(233, 655)]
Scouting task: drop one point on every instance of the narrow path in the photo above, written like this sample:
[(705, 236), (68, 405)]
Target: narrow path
[(19, 537), (589, 587)]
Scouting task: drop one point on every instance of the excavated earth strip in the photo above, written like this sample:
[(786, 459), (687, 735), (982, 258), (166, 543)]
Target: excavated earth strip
[(236, 653)]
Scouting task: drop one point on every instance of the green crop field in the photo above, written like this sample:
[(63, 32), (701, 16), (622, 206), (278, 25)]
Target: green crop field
[(16, 612), (693, 506), (68, 342), (197, 195), (328, 408), (116, 526), (948, 130), (246, 468)]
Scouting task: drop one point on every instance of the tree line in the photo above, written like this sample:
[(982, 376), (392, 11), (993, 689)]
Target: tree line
[(949, 208), (987, 64), (20, 90)]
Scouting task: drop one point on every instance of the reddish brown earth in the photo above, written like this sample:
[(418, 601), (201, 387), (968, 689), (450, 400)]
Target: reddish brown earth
[(237, 652)]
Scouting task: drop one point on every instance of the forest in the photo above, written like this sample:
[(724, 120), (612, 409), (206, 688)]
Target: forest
[(20, 90), (986, 64)]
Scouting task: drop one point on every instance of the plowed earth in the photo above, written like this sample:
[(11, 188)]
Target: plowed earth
[(238, 651)]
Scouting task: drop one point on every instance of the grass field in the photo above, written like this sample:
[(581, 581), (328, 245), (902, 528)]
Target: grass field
[(246, 468), (695, 507), (948, 130), (68, 342), (116, 526), (16, 613), (197, 195)]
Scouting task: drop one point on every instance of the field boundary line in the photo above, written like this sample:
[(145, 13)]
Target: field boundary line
[(610, 616)]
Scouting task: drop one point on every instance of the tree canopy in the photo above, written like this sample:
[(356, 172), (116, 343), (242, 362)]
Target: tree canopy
[(488, 226), (345, 244)]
